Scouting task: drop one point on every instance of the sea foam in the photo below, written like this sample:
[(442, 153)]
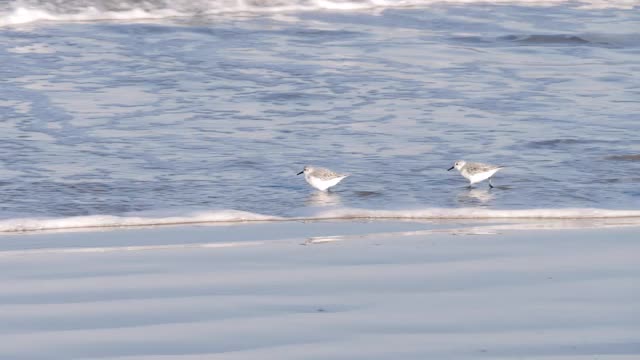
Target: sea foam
[(235, 216), (138, 219), (26, 11)]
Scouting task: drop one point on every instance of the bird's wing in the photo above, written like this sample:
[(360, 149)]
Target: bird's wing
[(326, 173), (480, 167)]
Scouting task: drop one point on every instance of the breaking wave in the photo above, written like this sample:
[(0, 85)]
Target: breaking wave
[(234, 216), (139, 219), (26, 11), (477, 213)]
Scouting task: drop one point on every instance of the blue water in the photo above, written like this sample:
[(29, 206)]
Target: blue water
[(220, 111)]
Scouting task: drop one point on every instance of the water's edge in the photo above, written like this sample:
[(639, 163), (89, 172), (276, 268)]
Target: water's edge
[(16, 225)]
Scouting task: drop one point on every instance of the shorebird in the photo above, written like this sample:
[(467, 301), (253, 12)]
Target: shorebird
[(476, 172), (321, 178)]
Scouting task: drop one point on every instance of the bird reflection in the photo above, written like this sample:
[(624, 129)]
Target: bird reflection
[(322, 198), (475, 196)]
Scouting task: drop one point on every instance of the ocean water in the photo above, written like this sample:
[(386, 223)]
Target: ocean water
[(121, 109)]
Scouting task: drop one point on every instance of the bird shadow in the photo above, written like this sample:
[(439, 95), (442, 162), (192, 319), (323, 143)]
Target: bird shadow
[(367, 194)]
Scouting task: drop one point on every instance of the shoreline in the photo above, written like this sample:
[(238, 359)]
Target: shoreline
[(236, 217)]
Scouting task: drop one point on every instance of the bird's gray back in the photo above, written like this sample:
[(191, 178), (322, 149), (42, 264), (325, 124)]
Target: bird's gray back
[(477, 168), (325, 174)]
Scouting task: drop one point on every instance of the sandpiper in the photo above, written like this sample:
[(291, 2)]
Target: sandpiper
[(321, 178), (476, 172)]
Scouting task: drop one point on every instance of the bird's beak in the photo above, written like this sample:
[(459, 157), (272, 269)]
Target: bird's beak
[(451, 168), (300, 172)]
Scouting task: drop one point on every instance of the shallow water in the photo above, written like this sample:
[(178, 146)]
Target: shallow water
[(220, 111)]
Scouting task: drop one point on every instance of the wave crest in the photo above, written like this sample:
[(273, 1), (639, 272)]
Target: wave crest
[(111, 221), (481, 214), (235, 216), (26, 11)]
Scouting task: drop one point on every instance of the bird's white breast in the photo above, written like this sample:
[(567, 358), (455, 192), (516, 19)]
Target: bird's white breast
[(322, 184), (479, 176)]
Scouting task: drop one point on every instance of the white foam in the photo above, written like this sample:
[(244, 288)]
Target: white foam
[(477, 213), (108, 249), (110, 221), (21, 12), (234, 216), (23, 15)]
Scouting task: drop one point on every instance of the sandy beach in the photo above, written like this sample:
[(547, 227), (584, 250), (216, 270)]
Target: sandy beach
[(322, 290)]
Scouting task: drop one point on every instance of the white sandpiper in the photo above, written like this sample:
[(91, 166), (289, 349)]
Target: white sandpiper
[(476, 172), (321, 178)]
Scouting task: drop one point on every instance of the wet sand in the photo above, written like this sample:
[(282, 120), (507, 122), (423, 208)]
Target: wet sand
[(323, 290)]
